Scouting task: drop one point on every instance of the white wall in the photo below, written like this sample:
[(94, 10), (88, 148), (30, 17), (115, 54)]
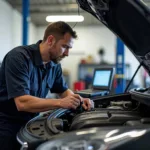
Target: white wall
[(17, 28), (90, 39), (11, 29), (32, 33), (5, 28)]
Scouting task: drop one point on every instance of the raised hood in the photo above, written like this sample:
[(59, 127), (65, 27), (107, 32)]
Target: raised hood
[(129, 20)]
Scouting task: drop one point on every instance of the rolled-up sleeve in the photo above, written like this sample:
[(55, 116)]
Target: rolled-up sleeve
[(17, 75)]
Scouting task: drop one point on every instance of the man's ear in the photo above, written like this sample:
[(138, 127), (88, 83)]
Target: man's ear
[(51, 40)]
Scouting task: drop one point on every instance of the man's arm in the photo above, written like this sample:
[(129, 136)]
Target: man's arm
[(66, 93), (34, 104)]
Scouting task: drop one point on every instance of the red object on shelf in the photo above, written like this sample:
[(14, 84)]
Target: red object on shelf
[(79, 85)]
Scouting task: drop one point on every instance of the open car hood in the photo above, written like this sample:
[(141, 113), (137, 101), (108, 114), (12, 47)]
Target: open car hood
[(129, 20)]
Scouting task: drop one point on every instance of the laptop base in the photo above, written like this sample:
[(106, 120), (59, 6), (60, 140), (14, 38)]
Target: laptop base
[(89, 95)]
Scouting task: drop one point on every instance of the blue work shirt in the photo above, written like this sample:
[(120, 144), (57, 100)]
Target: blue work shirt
[(23, 73)]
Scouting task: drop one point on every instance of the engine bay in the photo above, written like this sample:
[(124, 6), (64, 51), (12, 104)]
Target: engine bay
[(112, 111)]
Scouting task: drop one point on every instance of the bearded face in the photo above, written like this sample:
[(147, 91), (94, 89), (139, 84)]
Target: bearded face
[(58, 59), (57, 54), (61, 48)]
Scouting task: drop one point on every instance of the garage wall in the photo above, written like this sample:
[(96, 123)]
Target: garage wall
[(5, 28), (11, 29), (90, 39)]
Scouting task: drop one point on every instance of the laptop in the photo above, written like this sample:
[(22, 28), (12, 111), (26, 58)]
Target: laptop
[(101, 84)]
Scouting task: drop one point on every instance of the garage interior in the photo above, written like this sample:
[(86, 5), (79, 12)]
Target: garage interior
[(96, 47), (100, 50)]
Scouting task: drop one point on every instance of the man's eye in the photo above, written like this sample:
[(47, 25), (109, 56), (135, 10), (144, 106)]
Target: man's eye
[(64, 46)]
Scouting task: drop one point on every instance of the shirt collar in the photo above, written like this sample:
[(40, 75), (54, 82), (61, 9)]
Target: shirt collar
[(37, 56)]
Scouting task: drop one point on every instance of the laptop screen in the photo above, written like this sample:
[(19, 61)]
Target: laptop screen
[(102, 78)]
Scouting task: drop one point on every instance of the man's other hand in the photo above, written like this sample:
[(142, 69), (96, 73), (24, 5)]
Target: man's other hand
[(87, 104)]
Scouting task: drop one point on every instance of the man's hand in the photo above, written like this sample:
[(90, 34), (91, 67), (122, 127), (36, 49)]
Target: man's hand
[(70, 101), (87, 103), (74, 100)]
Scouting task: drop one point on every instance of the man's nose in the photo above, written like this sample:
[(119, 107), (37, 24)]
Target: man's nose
[(66, 53)]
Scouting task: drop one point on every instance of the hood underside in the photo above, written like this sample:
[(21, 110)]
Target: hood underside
[(129, 20)]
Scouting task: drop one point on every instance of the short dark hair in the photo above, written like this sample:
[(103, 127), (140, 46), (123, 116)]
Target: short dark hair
[(58, 29)]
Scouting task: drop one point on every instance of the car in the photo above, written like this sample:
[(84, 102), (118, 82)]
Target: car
[(119, 121)]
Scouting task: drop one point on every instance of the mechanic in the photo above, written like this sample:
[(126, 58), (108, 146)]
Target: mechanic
[(26, 75)]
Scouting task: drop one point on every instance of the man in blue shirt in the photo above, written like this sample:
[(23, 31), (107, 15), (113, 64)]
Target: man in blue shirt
[(26, 75)]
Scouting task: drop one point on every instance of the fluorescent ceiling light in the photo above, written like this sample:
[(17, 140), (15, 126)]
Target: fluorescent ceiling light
[(70, 18)]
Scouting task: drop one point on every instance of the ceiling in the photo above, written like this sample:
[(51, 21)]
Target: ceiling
[(39, 9)]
